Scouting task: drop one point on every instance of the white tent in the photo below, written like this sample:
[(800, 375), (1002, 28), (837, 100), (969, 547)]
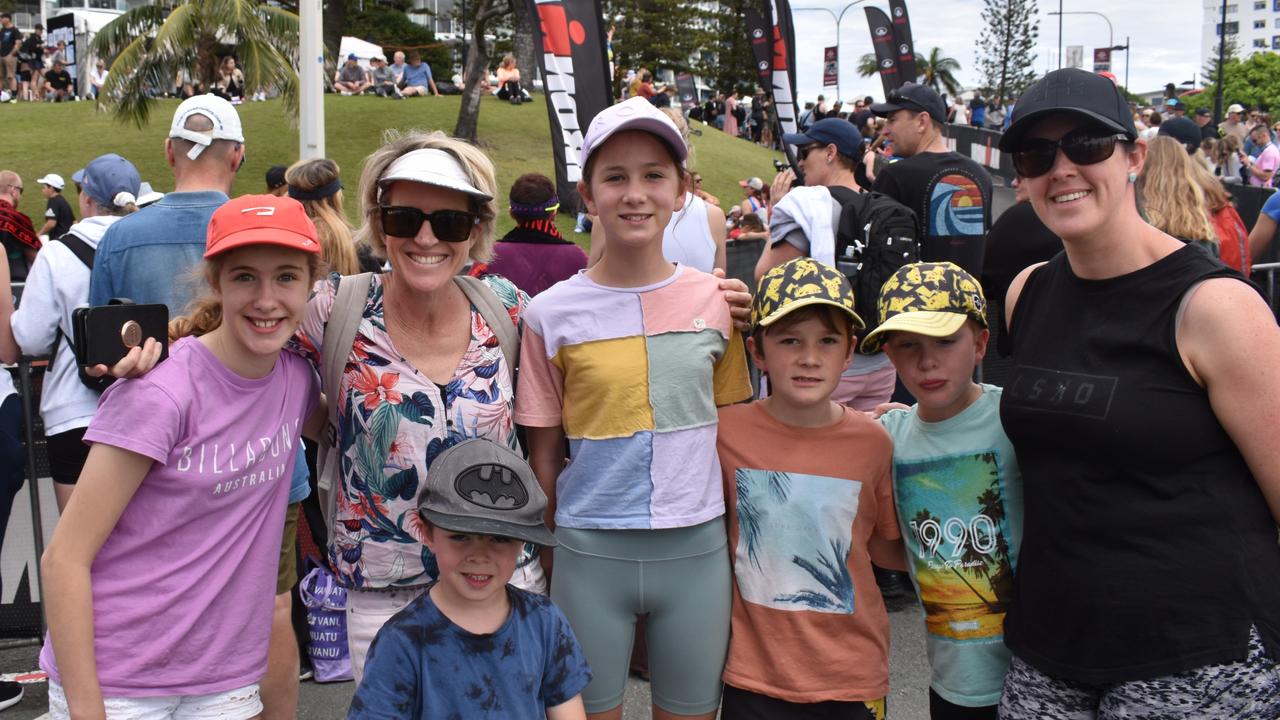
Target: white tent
[(362, 50)]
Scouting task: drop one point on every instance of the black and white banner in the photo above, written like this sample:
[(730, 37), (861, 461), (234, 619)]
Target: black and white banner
[(575, 66)]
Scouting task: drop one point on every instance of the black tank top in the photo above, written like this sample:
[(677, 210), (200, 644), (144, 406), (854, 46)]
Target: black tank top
[(1148, 547)]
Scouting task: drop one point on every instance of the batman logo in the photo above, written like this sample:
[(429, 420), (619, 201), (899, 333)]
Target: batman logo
[(491, 486)]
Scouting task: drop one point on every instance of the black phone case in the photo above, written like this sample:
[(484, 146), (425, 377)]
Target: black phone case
[(105, 334)]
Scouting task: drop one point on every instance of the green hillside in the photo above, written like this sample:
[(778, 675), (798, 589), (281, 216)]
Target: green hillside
[(61, 138)]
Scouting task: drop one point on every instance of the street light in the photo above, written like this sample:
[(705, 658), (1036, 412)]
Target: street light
[(1111, 41), (1125, 48), (838, 20)]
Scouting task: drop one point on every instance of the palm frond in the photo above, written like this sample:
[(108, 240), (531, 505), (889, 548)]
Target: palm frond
[(118, 34)]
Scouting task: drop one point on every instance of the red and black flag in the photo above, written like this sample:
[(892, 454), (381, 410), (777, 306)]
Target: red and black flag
[(906, 47), (883, 42), (575, 68)]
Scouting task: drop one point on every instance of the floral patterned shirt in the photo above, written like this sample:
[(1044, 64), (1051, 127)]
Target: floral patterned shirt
[(392, 423)]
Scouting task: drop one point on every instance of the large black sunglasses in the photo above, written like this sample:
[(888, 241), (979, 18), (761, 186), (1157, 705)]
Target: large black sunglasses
[(447, 225), (1038, 154)]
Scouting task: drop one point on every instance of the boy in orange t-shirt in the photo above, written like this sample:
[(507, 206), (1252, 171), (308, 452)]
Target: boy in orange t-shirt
[(808, 487)]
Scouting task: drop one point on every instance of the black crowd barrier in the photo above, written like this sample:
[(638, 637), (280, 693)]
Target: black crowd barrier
[(21, 615), (983, 147)]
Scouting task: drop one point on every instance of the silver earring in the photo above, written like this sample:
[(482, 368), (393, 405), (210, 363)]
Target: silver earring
[(1133, 177)]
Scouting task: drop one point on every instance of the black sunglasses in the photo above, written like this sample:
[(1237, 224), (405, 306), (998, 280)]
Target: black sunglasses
[(1038, 154), (447, 225), (803, 151)]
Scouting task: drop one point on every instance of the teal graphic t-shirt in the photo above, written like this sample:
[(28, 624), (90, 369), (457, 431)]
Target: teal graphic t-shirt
[(959, 497)]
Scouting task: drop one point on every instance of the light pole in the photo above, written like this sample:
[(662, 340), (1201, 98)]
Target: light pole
[(1125, 48), (838, 18), (1110, 34), (1222, 60)]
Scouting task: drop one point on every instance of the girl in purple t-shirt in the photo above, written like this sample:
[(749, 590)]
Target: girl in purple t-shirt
[(159, 581)]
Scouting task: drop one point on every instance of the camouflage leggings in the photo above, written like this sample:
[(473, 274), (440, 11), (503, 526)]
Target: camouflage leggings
[(1245, 690)]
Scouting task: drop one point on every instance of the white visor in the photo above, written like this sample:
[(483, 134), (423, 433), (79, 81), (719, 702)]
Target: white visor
[(430, 166)]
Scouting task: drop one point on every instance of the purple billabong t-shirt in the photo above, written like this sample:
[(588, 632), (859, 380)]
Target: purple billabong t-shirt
[(184, 584)]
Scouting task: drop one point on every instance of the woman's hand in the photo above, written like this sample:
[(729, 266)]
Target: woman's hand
[(780, 186), (138, 362), (738, 295)]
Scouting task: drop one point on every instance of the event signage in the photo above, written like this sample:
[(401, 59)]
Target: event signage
[(831, 67), (885, 45), (575, 67), (903, 44)]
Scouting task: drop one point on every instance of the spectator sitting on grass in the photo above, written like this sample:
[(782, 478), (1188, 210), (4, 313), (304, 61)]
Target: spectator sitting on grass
[(57, 83), (417, 78), (352, 79)]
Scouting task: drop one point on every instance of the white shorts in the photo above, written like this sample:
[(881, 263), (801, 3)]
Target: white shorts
[(239, 704)]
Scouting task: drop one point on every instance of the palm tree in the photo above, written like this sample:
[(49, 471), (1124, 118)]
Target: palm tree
[(938, 71), (867, 65), (146, 47)]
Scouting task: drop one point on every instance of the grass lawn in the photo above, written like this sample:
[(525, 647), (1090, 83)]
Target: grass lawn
[(61, 138)]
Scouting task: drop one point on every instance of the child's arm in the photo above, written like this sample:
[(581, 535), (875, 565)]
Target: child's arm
[(391, 687), (108, 482), (571, 710), (546, 458)]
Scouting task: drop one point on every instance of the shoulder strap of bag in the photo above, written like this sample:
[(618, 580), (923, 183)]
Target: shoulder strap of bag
[(495, 316), (339, 334), (84, 252)]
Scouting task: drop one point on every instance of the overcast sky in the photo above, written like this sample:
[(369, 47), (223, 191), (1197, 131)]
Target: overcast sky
[(1165, 35)]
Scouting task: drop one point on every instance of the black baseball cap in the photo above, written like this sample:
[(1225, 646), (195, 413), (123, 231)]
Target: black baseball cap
[(1184, 130), (830, 131), (1204, 112), (484, 488), (914, 97), (1070, 91), (275, 176)]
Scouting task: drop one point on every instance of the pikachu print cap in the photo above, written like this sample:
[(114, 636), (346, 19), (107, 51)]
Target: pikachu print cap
[(929, 298), (800, 283)]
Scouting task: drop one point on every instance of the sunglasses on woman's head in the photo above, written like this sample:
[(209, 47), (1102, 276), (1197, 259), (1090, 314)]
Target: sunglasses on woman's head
[(1038, 154), (447, 225)]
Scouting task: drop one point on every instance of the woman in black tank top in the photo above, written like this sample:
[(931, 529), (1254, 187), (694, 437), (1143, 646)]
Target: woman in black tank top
[(1143, 405)]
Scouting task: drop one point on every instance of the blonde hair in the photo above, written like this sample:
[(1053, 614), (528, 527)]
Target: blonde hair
[(332, 228), (508, 60), (477, 166), (1171, 193), (204, 314)]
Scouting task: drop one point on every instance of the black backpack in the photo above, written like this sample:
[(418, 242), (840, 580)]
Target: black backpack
[(84, 253), (876, 235)]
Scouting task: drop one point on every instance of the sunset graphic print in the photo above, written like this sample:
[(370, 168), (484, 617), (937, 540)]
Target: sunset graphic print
[(955, 525)]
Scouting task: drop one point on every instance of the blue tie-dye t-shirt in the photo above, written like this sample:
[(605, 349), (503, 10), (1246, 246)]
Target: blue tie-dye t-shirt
[(422, 665)]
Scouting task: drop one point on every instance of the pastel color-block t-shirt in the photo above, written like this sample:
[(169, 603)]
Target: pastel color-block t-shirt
[(808, 623), (959, 497), (634, 376), (184, 585)]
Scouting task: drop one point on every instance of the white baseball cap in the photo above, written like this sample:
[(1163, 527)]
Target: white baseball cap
[(635, 113), (431, 166), (225, 119), (53, 180), (1235, 108)]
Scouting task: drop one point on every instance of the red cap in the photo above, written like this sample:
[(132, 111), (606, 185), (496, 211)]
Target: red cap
[(261, 220)]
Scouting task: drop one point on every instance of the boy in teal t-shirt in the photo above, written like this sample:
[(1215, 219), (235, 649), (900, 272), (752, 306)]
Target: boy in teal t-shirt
[(955, 482)]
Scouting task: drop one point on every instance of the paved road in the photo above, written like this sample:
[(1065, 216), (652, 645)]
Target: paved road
[(908, 699)]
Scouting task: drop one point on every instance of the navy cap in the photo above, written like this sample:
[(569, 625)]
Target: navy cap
[(830, 131), (1184, 130), (1069, 91), (106, 177), (914, 97), (352, 56), (275, 176)]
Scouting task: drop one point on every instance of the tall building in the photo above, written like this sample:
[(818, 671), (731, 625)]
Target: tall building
[(1253, 24)]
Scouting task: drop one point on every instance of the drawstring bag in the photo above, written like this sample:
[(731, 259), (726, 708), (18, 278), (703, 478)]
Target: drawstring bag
[(326, 603)]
